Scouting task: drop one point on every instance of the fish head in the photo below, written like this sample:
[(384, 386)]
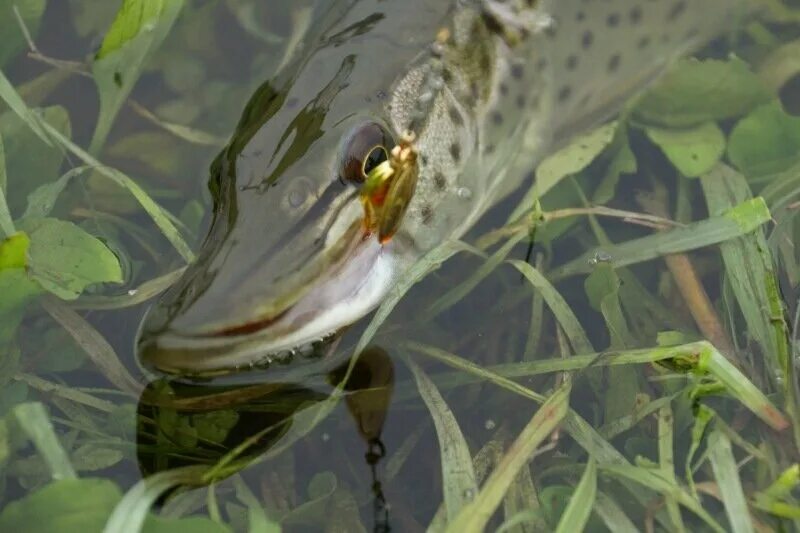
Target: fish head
[(288, 261)]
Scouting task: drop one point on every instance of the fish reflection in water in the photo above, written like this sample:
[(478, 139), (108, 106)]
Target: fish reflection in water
[(225, 428)]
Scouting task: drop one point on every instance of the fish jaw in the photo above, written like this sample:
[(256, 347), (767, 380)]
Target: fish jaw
[(349, 291)]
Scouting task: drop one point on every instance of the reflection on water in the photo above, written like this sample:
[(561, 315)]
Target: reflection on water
[(182, 424)]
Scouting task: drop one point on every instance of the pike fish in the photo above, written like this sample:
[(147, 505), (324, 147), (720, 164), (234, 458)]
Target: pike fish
[(395, 126)]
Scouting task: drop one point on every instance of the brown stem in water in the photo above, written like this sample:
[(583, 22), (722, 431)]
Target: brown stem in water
[(689, 285)]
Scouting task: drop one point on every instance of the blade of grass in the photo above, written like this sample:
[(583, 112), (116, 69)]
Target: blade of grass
[(457, 293), (476, 514), (667, 463), (430, 262), (140, 294), (256, 515), (723, 463), (6, 224), (537, 320), (735, 222), (458, 475), (576, 515), (34, 421), (96, 347), (563, 313), (48, 133), (655, 480), (702, 417), (446, 380), (770, 499), (612, 515), (14, 101), (741, 388), (749, 269), (68, 393), (131, 512), (577, 427), (159, 215)]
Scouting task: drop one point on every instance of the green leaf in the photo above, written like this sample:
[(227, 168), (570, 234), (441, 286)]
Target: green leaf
[(654, 479), (458, 475), (476, 514), (30, 12), (138, 30), (132, 18), (34, 421), (560, 308), (693, 151), (726, 471), (16, 287), (43, 199), (6, 224), (749, 269), (130, 513), (695, 92), (766, 141), (623, 161), (65, 259), (576, 515), (31, 162), (66, 506), (574, 157), (735, 222)]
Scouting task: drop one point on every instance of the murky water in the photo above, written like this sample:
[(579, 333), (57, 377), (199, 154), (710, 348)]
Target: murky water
[(377, 452)]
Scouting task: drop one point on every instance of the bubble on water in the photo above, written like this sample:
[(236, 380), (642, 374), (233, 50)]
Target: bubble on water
[(490, 424), (464, 193), (132, 292), (326, 437), (600, 257), (469, 494)]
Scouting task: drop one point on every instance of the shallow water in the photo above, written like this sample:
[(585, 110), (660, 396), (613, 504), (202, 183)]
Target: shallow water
[(378, 450)]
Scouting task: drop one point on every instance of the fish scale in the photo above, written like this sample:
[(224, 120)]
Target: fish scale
[(574, 63), (488, 87)]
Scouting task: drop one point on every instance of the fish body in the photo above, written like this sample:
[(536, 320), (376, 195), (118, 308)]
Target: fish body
[(486, 88)]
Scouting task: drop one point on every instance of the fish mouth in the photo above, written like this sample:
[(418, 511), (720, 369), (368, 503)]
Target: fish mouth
[(291, 339)]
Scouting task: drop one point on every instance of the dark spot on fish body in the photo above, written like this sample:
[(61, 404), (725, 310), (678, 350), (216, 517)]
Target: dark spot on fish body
[(580, 16), (677, 10), (455, 116), (521, 100), (564, 93), (503, 89), (644, 42), (489, 150), (612, 21), (455, 152), (613, 63), (635, 15), (587, 39), (517, 71), (497, 118), (439, 181), (572, 62)]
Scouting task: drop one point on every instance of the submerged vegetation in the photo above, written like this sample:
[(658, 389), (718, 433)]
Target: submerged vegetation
[(614, 349)]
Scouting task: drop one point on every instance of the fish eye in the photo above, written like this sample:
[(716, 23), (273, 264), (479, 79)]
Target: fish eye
[(366, 147)]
